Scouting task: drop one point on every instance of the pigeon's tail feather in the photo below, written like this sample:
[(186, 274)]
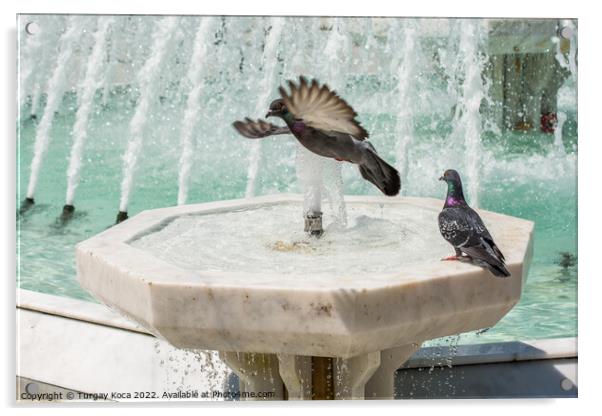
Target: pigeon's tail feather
[(496, 250), (380, 173), (485, 256), (499, 270)]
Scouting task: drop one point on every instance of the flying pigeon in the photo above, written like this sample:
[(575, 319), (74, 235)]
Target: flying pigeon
[(462, 227), (325, 124)]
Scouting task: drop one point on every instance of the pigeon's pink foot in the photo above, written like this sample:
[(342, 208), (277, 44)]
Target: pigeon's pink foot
[(450, 258)]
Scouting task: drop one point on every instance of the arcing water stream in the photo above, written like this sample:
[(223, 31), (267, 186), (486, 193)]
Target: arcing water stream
[(90, 84)]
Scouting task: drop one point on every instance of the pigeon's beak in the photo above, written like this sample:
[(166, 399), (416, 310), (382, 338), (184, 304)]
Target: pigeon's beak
[(269, 113), (441, 178)]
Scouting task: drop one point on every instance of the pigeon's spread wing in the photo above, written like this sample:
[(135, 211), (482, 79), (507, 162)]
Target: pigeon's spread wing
[(258, 129), (321, 108)]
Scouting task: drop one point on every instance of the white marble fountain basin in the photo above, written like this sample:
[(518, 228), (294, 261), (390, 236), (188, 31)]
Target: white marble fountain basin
[(162, 269)]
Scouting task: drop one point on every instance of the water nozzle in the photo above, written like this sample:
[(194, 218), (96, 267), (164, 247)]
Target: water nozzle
[(121, 216), (26, 205), (313, 224), (67, 213)]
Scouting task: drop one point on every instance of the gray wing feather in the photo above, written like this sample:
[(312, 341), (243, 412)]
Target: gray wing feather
[(479, 227), (321, 108), (454, 227), (252, 129)]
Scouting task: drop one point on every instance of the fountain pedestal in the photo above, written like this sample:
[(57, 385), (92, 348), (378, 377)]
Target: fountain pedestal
[(298, 329), (298, 377)]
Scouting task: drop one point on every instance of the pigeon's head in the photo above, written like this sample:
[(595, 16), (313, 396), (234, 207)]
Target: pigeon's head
[(454, 184), (277, 108), (451, 176)]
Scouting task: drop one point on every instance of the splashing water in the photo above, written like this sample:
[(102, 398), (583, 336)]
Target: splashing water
[(193, 105), (568, 92), (90, 84), (558, 144), (309, 174), (279, 249), (337, 51), (32, 45), (570, 61), (109, 72), (467, 124), (56, 90), (317, 175), (40, 53), (332, 180), (405, 118), (148, 79), (264, 90), (189, 370)]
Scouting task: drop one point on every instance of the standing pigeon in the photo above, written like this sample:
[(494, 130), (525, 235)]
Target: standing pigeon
[(462, 227), (325, 124)]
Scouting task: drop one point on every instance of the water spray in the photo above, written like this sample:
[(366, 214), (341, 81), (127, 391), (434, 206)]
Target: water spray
[(268, 61), (55, 94), (80, 128), (406, 70), (193, 105), (148, 78)]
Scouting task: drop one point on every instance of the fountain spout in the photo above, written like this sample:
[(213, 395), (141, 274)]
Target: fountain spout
[(313, 224), (121, 216), (310, 175), (26, 205), (148, 79), (67, 213)]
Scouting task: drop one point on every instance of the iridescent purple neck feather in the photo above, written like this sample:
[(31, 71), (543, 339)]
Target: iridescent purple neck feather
[(455, 195), (297, 126)]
